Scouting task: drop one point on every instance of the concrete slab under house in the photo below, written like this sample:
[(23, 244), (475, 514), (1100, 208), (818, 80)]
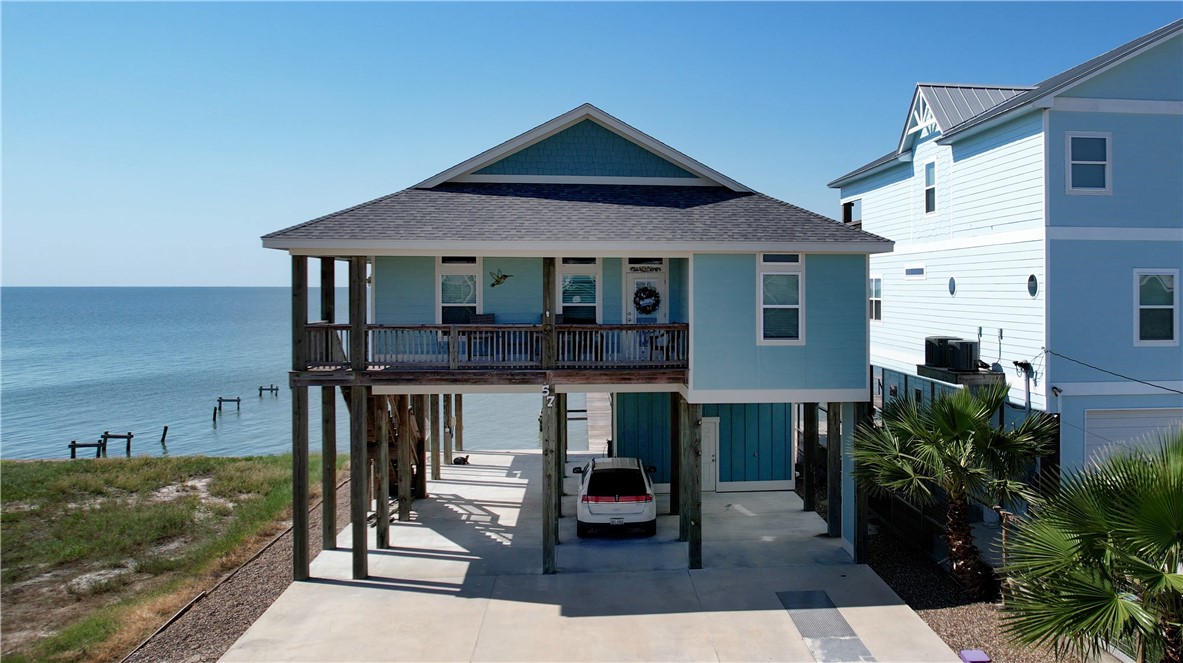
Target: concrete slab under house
[(582, 256)]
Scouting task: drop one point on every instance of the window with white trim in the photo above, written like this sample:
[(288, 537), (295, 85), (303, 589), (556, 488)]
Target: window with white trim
[(875, 298), (458, 289), (1089, 162), (579, 290), (1156, 306), (781, 299), (930, 187)]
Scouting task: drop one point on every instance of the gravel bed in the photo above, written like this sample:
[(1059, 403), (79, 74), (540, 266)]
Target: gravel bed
[(218, 619), (929, 590)]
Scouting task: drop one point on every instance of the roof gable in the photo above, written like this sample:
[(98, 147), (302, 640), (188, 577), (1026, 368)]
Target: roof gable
[(583, 146), (941, 107), (585, 149)]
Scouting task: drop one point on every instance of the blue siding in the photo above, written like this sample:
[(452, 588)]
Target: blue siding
[(726, 355), (1093, 289), (1155, 74), (585, 149), (610, 292), (404, 290), (755, 442), (679, 287), (518, 300), (1147, 168), (643, 430)]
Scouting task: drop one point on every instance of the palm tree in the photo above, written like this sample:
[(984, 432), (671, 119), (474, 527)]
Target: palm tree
[(950, 446), (1102, 561)]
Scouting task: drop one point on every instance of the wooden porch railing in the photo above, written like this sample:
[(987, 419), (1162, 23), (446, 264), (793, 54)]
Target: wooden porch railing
[(471, 347)]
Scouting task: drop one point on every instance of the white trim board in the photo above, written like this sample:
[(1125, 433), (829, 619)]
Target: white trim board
[(1118, 388), (1138, 106), (582, 179), (570, 118), (720, 396), (1115, 234), (614, 249), (970, 242)]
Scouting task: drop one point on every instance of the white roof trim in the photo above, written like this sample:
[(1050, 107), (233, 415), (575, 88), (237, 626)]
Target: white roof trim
[(586, 111), (915, 122), (313, 247), (584, 179)]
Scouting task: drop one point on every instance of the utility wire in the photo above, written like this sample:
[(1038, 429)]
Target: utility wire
[(1124, 377)]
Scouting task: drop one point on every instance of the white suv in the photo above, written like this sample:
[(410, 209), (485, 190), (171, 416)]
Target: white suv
[(615, 493)]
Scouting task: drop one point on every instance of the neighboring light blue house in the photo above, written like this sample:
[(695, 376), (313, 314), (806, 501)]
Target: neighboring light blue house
[(1038, 218), (584, 255)]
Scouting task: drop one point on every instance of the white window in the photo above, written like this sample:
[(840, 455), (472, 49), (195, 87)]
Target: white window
[(875, 298), (579, 290), (1089, 162), (1156, 306), (930, 187), (915, 272), (458, 291), (780, 280)]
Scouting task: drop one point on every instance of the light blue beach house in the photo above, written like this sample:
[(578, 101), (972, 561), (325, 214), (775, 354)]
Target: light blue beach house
[(1039, 230), (587, 256)]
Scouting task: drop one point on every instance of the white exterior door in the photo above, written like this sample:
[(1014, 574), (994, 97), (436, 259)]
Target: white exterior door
[(645, 299), (710, 453)]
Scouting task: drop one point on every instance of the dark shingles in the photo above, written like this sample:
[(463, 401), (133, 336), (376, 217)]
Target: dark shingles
[(574, 213)]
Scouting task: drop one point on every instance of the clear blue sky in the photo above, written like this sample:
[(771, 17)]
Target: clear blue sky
[(153, 143)]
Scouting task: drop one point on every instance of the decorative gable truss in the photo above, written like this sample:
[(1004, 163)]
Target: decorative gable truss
[(584, 146)]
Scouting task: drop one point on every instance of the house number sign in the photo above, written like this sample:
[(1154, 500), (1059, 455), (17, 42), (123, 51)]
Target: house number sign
[(644, 268), (548, 396)]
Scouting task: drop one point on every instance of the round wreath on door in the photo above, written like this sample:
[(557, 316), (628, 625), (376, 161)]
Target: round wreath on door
[(646, 300)]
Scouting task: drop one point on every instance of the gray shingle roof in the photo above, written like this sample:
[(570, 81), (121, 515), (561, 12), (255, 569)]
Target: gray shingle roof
[(963, 112), (571, 213)]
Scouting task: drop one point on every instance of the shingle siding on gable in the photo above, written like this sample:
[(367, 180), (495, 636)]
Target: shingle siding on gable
[(585, 149)]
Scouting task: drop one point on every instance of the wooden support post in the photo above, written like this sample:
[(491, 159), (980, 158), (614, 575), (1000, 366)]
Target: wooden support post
[(550, 516), (458, 434), (382, 464), (560, 466), (435, 437), (328, 420), (834, 470), (358, 505), (863, 413), (690, 424), (549, 338), (300, 561), (357, 314), (406, 448), (809, 462), (419, 405), (675, 456), (447, 429)]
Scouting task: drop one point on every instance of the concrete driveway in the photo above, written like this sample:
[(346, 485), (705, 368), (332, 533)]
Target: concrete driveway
[(462, 582)]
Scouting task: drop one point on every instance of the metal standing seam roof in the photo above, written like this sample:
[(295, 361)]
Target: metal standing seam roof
[(963, 111), (953, 104), (624, 215)]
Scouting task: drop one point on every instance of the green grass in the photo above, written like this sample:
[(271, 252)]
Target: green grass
[(88, 514)]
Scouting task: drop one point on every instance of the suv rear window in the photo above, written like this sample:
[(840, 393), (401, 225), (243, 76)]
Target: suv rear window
[(609, 483)]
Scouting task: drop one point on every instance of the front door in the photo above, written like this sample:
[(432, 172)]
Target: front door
[(645, 299), (710, 453)]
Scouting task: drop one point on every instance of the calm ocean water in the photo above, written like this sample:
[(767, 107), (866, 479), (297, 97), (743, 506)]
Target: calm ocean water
[(75, 362)]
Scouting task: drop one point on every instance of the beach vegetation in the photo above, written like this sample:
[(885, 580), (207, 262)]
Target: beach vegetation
[(98, 553)]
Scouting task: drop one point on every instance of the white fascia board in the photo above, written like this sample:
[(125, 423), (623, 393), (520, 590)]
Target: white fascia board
[(586, 111), (545, 250), (579, 179), (860, 395)]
